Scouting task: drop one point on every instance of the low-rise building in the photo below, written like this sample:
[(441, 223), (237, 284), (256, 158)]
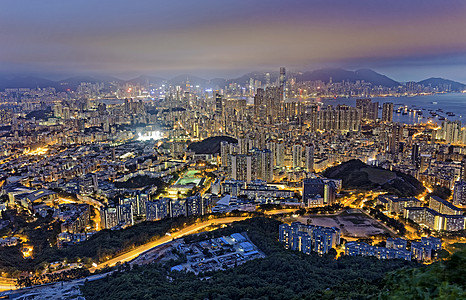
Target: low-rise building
[(395, 204), (434, 219), (309, 238), (422, 250), (359, 248), (396, 243)]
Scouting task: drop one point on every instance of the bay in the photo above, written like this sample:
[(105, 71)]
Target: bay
[(451, 102)]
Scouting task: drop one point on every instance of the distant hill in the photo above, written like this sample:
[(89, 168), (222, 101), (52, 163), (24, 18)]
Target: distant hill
[(210, 145), (62, 85), (357, 175), (26, 82), (440, 82), (335, 74), (338, 75), (72, 83), (39, 114)]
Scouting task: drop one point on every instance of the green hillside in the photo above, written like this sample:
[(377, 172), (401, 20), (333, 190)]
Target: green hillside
[(440, 280), (357, 175), (283, 274), (210, 145)]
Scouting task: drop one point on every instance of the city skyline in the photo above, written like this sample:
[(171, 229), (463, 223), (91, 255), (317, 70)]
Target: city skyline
[(190, 149), (406, 41)]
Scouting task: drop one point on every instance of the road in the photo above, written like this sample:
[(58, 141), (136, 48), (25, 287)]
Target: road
[(7, 284), (280, 211), (128, 256)]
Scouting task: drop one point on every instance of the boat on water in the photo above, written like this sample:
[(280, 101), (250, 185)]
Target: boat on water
[(450, 114), (441, 118), (434, 102)]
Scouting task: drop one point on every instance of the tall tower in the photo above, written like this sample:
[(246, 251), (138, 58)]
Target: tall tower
[(415, 155), (309, 158), (463, 169), (218, 105), (280, 154), (282, 82), (396, 138), (267, 79), (259, 104), (369, 110), (266, 165), (297, 156), (387, 112)]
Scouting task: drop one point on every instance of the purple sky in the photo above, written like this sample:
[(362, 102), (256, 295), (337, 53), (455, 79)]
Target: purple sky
[(404, 39)]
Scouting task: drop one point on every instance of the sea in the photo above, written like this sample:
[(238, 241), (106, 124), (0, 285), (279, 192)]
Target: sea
[(440, 104)]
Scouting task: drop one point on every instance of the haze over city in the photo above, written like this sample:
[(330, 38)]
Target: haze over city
[(406, 40)]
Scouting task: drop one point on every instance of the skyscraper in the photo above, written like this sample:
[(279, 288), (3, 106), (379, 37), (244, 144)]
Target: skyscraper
[(396, 138), (280, 154), (369, 110), (459, 193), (342, 118), (266, 165), (297, 156), (282, 82), (267, 79), (463, 168), (309, 158), (241, 167), (224, 152), (387, 112), (415, 155), (218, 105), (259, 110)]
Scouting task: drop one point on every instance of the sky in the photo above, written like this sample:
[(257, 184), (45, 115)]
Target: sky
[(403, 39)]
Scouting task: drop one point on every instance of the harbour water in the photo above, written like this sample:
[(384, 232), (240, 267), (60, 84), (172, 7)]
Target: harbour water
[(440, 104)]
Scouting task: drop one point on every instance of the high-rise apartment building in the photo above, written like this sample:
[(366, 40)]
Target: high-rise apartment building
[(309, 238), (297, 156), (342, 118), (459, 193), (157, 209), (280, 154), (387, 112), (282, 83), (369, 110), (415, 156), (241, 167), (309, 153)]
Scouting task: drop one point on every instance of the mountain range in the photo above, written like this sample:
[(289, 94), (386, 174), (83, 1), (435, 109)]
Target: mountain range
[(324, 75)]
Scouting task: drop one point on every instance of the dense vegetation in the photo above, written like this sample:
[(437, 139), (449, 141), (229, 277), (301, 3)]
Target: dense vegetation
[(40, 233), (139, 182), (39, 114), (283, 274), (357, 175), (210, 145), (101, 246), (440, 191), (440, 280)]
